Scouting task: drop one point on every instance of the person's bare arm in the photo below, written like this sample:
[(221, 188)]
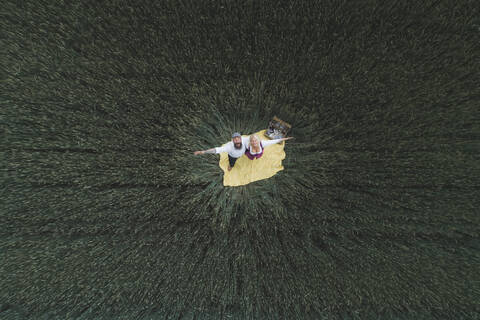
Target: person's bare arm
[(267, 143), (204, 151)]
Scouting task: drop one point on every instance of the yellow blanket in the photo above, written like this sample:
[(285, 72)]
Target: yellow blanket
[(245, 170)]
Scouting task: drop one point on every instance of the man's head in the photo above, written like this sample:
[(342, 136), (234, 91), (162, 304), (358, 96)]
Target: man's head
[(237, 140)]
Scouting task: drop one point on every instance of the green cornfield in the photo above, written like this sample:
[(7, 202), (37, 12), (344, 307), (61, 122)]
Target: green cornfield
[(105, 213)]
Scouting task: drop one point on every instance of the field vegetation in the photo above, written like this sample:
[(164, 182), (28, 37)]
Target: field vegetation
[(105, 212)]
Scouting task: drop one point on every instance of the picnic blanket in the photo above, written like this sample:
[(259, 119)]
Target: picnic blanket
[(246, 171)]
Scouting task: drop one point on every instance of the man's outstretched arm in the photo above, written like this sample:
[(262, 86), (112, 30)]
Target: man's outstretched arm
[(205, 151)]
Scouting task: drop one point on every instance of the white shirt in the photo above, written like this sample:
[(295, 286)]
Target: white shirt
[(230, 148), (237, 153)]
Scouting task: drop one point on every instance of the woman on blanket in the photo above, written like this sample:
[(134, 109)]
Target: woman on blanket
[(255, 147)]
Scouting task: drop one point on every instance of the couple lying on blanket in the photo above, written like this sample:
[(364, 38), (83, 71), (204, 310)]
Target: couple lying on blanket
[(251, 146)]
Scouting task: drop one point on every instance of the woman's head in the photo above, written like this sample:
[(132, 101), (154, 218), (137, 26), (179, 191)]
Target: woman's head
[(254, 141)]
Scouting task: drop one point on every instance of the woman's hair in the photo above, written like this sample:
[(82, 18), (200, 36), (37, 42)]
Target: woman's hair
[(252, 137)]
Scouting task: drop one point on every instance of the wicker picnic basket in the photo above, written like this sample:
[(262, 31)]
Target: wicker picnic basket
[(277, 128)]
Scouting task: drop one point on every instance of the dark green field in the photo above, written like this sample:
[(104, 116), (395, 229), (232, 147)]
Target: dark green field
[(106, 214)]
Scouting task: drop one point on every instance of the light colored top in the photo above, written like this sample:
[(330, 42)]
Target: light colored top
[(265, 143), (234, 153), (237, 153)]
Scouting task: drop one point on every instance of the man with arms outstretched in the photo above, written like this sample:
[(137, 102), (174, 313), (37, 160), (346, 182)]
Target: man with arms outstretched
[(235, 148)]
